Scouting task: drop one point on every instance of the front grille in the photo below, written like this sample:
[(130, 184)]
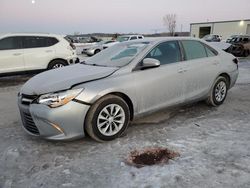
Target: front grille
[(29, 124), (28, 99)]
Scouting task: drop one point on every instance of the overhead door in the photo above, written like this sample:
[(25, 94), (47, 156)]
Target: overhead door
[(248, 29)]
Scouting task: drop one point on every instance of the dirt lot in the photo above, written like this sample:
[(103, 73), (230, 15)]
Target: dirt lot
[(213, 144)]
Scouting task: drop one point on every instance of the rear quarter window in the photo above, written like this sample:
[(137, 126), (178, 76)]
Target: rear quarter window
[(210, 52), (52, 41), (133, 38)]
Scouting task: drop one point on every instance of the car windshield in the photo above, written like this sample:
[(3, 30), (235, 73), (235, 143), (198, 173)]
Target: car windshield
[(118, 55), (101, 43), (122, 39), (237, 39), (208, 37)]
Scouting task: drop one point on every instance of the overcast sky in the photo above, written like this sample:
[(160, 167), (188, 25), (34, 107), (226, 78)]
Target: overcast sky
[(87, 16)]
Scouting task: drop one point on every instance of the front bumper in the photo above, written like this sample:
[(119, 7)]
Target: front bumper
[(73, 59), (90, 52), (62, 123)]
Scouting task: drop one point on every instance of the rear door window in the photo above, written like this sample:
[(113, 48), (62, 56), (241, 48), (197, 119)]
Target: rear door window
[(38, 42), (194, 49)]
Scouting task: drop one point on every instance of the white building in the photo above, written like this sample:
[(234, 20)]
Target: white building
[(222, 28)]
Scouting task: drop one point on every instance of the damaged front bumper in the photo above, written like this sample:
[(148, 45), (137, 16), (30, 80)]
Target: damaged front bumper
[(62, 123)]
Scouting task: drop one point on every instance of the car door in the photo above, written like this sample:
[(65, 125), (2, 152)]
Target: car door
[(162, 86), (11, 55), (199, 69), (38, 52)]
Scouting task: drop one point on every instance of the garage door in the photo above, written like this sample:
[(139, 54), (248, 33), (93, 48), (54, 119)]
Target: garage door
[(248, 29)]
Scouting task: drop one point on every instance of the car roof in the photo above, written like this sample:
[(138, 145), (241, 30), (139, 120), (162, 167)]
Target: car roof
[(242, 36), (30, 34), (129, 35), (162, 39)]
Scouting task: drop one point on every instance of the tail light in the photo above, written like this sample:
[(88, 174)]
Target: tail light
[(236, 61), (72, 46)]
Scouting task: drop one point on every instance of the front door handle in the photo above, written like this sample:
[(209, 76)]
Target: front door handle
[(215, 63), (17, 54), (48, 51)]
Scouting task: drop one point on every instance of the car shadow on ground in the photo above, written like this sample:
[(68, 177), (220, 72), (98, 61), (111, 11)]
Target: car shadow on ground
[(14, 80)]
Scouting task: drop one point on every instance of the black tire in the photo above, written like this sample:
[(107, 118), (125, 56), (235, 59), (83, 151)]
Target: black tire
[(91, 121), (57, 64), (97, 51), (246, 53), (212, 99)]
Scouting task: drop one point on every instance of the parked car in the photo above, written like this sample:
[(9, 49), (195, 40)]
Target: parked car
[(222, 45), (231, 38), (34, 52), (110, 44), (124, 38), (240, 46), (212, 38), (129, 37), (97, 48), (82, 43), (103, 94)]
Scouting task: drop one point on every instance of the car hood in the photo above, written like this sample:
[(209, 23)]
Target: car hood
[(64, 78), (221, 45)]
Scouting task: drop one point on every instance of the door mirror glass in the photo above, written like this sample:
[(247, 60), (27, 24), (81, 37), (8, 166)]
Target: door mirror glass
[(150, 63)]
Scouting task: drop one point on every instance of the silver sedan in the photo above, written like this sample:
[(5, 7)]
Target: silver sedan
[(104, 94)]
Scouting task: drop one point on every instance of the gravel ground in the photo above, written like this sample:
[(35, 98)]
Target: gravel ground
[(213, 144)]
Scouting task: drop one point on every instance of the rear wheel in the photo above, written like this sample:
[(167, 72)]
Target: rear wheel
[(57, 64), (246, 53), (219, 92), (108, 118), (97, 51)]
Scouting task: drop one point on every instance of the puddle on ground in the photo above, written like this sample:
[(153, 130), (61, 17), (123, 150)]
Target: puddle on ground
[(151, 156)]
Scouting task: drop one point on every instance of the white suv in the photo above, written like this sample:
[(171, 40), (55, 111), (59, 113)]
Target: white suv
[(34, 52), (129, 37)]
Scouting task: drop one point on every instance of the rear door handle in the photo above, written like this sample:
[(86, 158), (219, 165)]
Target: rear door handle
[(181, 70), (17, 54), (48, 51), (215, 63)]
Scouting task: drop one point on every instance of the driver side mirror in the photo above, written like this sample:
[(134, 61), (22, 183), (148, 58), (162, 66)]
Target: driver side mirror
[(150, 63)]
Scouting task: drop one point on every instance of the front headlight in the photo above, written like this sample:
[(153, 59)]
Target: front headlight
[(54, 100)]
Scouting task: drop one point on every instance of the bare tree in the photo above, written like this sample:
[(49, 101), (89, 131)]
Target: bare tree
[(169, 21)]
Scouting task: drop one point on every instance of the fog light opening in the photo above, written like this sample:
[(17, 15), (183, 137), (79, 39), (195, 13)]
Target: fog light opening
[(56, 127)]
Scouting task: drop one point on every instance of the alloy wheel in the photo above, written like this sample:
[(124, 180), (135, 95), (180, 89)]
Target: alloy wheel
[(111, 119), (220, 91)]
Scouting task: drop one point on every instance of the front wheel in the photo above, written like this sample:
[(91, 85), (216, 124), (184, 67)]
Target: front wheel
[(108, 118), (219, 92)]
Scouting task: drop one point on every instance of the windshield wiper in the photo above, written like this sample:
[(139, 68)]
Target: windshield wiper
[(93, 64)]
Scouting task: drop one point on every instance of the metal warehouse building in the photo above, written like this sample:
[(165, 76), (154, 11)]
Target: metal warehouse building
[(222, 28)]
